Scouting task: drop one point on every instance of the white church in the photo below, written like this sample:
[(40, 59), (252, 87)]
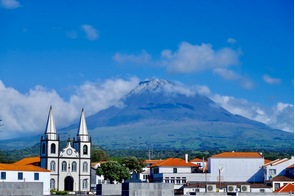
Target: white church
[(70, 168)]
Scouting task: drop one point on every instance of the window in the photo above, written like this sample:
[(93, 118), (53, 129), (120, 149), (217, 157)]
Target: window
[(43, 148), (166, 179), (85, 149), (85, 167), (52, 149), (183, 180), (52, 183), (277, 186), (177, 180), (172, 180), (155, 170), (36, 176), (174, 170), (20, 175), (52, 165), (272, 172), (84, 184), (74, 166), (3, 175), (64, 166)]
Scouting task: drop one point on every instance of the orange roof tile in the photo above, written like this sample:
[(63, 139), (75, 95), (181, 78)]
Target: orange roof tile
[(16, 167), (28, 161), (173, 162), (286, 189), (266, 161), (197, 160), (282, 179), (238, 155)]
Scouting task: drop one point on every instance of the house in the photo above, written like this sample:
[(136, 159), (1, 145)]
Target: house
[(280, 181), (287, 188), (24, 172), (278, 167), (236, 167)]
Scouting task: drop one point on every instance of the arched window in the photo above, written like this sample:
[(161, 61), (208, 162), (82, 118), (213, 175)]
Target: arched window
[(52, 183), (52, 165), (64, 166), (84, 184), (74, 166), (85, 149), (43, 148), (85, 167), (52, 149)]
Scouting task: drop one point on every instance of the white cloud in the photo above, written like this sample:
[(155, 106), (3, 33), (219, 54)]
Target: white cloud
[(194, 58), (271, 80), (9, 4), (231, 40), (231, 75), (141, 58), (281, 116), (91, 33), (226, 74), (28, 112)]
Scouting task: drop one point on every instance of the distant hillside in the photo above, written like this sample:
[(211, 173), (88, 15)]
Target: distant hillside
[(159, 114)]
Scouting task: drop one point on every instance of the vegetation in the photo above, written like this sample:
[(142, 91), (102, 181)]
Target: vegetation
[(113, 171), (98, 154)]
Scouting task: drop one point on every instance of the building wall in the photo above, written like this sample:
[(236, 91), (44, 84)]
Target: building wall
[(22, 188), (28, 176), (280, 169), (170, 169), (237, 169)]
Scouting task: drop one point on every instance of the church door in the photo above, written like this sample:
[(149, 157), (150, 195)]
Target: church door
[(69, 183)]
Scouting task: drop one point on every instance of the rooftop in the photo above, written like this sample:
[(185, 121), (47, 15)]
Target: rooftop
[(238, 155), (173, 162), (16, 167)]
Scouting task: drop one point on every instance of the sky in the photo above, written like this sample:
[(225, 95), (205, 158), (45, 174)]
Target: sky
[(88, 54)]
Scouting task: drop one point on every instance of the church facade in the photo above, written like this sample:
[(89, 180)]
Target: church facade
[(71, 166)]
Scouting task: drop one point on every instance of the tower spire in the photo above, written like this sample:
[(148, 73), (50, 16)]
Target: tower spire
[(50, 130), (82, 134)]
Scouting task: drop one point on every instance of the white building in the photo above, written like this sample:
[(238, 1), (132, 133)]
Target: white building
[(70, 167), (277, 168), (25, 173), (236, 167)]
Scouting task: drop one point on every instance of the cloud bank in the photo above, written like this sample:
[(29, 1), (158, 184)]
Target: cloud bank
[(27, 113)]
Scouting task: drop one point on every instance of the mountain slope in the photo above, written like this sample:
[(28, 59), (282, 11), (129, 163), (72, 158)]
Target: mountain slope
[(165, 115)]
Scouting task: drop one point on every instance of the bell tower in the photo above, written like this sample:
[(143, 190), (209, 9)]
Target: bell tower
[(49, 147), (83, 147)]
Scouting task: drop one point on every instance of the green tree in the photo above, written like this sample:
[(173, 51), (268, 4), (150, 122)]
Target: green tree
[(113, 171), (99, 155), (135, 165)]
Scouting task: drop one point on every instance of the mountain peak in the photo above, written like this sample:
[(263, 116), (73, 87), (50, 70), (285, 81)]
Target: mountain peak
[(150, 85)]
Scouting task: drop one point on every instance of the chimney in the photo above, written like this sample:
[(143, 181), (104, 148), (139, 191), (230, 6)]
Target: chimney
[(186, 158)]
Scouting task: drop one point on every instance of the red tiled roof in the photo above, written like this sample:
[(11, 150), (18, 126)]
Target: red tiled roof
[(286, 189), (197, 160), (238, 155), (28, 161), (266, 161), (17, 167), (282, 179), (173, 162)]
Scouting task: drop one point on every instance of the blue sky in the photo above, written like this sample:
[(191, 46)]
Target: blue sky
[(73, 54)]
